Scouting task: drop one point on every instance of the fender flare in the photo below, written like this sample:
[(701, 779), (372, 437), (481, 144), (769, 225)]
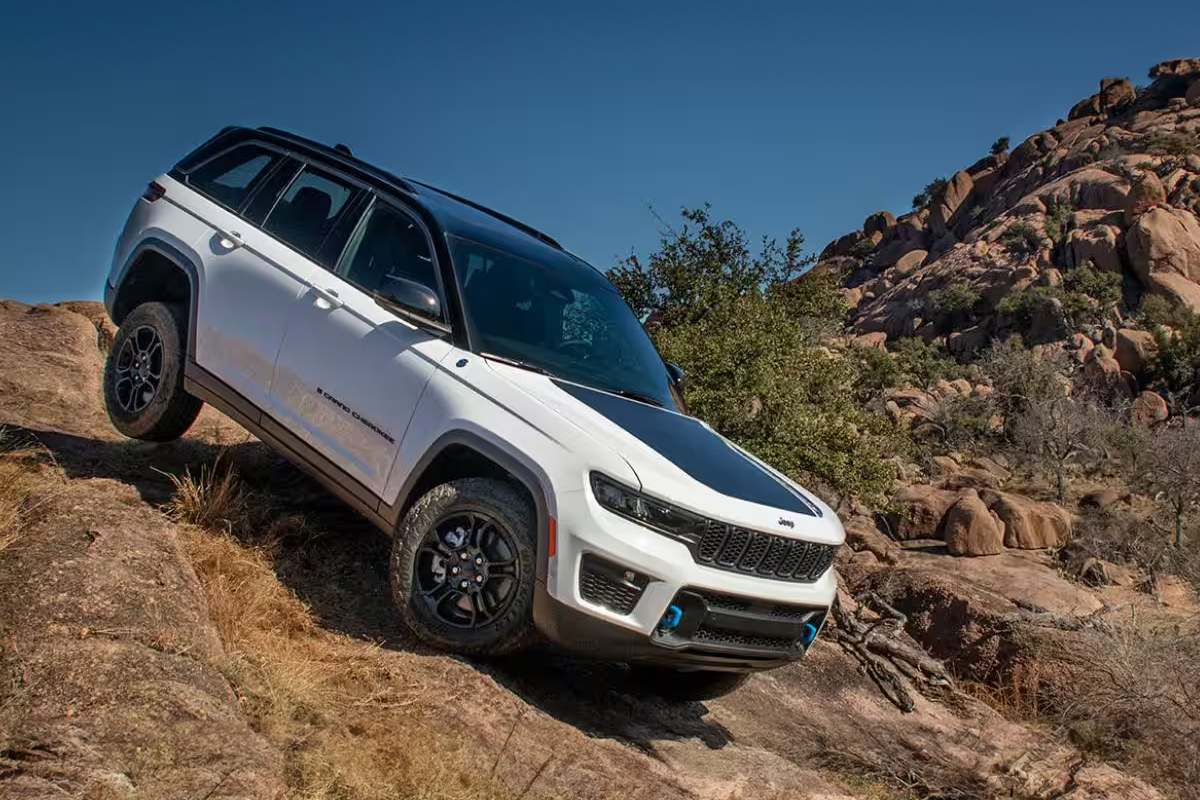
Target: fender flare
[(177, 257), (524, 474)]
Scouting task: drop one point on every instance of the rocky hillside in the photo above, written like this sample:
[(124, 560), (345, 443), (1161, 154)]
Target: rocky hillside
[(1066, 234), (197, 619)]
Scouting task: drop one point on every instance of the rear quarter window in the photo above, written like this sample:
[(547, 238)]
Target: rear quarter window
[(230, 177)]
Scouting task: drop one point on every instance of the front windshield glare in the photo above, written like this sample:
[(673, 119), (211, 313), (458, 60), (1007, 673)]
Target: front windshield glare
[(562, 317)]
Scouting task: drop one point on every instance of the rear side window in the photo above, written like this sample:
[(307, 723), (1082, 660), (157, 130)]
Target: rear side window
[(308, 210), (230, 177)]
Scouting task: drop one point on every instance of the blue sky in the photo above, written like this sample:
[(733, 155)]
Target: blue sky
[(572, 116)]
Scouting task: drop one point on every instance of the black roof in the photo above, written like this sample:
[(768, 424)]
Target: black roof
[(457, 215)]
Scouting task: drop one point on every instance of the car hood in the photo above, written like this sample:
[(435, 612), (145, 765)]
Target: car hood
[(683, 460)]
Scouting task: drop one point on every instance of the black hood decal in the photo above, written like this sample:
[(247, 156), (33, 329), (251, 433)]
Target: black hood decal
[(694, 449)]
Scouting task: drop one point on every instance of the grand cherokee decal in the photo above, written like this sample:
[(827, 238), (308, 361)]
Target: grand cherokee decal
[(356, 415)]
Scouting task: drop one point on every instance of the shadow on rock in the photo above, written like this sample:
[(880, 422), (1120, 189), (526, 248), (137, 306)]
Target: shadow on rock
[(337, 564)]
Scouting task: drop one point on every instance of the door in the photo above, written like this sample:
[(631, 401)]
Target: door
[(350, 372), (250, 278)]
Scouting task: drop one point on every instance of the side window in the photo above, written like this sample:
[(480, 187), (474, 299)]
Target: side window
[(229, 177), (389, 244), (308, 210)]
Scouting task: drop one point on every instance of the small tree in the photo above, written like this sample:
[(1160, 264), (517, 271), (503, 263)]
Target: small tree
[(1000, 146), (1170, 469), (932, 191), (1055, 430)]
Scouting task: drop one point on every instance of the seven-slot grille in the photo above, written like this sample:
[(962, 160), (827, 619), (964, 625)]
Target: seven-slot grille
[(764, 554)]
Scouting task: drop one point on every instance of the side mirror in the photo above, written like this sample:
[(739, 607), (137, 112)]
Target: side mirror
[(676, 373), (412, 295)]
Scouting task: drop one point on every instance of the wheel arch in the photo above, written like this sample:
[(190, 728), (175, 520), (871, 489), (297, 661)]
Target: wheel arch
[(461, 454), (157, 271)]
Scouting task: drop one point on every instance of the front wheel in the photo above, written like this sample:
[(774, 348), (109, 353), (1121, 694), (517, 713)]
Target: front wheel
[(463, 567), (143, 377), (694, 685)]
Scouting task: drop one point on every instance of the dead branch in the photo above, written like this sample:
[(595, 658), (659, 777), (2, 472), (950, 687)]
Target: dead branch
[(890, 661)]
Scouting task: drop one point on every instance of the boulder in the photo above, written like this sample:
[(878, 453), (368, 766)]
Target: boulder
[(943, 209), (1193, 95), (921, 511), (863, 535), (880, 222), (1146, 192), (971, 529), (1029, 525), (908, 263), (1177, 289), (1149, 408), (1177, 66), (1134, 350), (1115, 94), (1088, 107), (1165, 240), (1104, 372), (1090, 188), (877, 340), (1101, 498), (1098, 245), (968, 341)]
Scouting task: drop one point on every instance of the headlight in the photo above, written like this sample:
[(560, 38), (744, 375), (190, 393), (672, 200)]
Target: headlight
[(649, 511)]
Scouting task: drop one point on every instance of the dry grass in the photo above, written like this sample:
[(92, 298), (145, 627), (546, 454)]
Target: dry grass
[(1136, 702), (354, 722), (18, 466)]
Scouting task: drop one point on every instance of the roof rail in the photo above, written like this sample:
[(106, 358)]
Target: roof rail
[(529, 229), (341, 152)]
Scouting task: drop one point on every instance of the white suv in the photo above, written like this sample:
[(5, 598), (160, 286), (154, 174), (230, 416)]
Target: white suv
[(482, 395)]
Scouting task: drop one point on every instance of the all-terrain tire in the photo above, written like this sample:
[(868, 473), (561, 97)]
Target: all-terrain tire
[(165, 414), (684, 686), (507, 505)]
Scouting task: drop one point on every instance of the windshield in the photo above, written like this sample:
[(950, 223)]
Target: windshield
[(564, 319)]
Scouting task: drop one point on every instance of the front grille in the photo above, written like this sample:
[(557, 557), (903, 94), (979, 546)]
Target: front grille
[(605, 584), (766, 555)]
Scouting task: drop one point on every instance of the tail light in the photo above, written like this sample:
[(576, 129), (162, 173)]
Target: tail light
[(154, 191)]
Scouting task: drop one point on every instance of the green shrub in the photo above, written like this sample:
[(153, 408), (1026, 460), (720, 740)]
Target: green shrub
[(924, 365), (1086, 296), (1058, 217), (999, 146), (745, 328), (1176, 366), (954, 298), (932, 191), (1021, 237)]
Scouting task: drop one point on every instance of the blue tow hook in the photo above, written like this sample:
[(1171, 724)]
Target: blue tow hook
[(672, 618), (810, 633)]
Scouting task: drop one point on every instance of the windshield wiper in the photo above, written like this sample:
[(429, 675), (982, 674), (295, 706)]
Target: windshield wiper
[(632, 395), (512, 362)]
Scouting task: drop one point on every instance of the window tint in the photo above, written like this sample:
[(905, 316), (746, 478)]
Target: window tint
[(229, 178), (308, 209), (389, 244)]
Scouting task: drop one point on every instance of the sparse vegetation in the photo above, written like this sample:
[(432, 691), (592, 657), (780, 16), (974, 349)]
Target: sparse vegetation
[(999, 146), (954, 298), (932, 191), (1085, 297), (1058, 217), (1022, 237), (1176, 367), (923, 364)]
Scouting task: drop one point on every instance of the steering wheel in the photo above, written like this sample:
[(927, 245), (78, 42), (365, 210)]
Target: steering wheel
[(578, 348)]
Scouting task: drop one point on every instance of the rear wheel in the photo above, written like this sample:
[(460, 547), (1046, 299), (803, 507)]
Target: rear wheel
[(463, 565), (143, 377), (691, 685)]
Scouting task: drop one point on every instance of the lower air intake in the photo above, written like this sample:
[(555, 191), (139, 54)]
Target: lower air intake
[(610, 585)]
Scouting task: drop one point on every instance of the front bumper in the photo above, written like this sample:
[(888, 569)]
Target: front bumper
[(620, 591)]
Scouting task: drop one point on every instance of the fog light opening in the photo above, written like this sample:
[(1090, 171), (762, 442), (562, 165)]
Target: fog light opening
[(671, 619)]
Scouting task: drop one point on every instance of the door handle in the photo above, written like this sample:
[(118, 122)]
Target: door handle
[(230, 240), (326, 298)]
